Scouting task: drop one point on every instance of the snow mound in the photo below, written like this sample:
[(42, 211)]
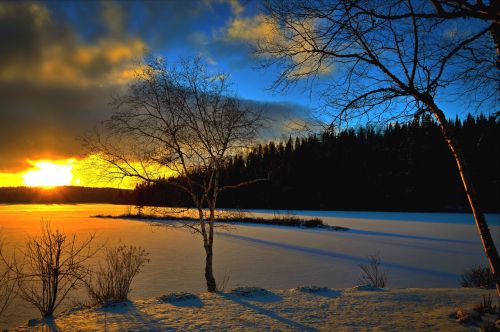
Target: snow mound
[(477, 319), (317, 290), (250, 292), (116, 306), (178, 297), (368, 288), (311, 289)]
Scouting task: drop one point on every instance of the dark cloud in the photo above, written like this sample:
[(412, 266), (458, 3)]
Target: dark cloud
[(38, 121), (54, 85), (285, 118), (37, 47), (25, 29)]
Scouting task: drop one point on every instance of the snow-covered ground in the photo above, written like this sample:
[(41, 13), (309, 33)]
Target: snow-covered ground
[(417, 249), (280, 310)]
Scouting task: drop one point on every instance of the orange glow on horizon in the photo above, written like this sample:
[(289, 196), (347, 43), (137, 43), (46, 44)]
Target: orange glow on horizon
[(49, 174), (86, 172)]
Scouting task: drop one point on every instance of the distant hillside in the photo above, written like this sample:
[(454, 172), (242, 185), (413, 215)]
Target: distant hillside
[(67, 194)]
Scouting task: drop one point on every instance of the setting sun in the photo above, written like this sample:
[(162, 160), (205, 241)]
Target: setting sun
[(49, 174)]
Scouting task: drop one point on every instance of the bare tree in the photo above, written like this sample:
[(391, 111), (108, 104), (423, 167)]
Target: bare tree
[(379, 59), (178, 122), (50, 266)]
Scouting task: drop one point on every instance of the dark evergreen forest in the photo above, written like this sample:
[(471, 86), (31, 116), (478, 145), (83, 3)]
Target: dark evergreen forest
[(402, 167)]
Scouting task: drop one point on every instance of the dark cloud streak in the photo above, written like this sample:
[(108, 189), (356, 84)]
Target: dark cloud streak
[(39, 121)]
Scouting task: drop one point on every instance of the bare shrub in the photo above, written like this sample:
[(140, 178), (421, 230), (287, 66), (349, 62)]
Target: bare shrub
[(222, 284), (373, 275), (49, 267), (111, 282), (478, 277), (486, 305)]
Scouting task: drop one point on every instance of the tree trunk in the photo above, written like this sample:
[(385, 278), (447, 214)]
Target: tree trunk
[(481, 224), (201, 216), (209, 273), (208, 245)]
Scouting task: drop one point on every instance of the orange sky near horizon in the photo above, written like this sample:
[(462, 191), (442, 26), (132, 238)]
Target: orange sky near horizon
[(63, 172)]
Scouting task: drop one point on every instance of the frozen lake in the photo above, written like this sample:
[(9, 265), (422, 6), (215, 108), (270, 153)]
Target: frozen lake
[(417, 249)]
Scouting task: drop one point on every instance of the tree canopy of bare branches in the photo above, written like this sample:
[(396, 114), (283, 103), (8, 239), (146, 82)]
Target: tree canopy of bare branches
[(385, 59), (178, 121), (486, 11)]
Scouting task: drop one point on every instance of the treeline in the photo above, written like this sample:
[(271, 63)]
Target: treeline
[(67, 194), (402, 167)]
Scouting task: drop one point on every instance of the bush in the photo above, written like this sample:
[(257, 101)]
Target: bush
[(112, 281), (373, 275), (478, 277), (486, 305)]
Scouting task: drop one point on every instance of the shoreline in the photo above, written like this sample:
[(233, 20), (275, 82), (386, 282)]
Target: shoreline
[(302, 308), (460, 211), (313, 223)]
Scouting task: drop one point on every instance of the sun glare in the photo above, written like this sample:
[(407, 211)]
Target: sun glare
[(49, 174)]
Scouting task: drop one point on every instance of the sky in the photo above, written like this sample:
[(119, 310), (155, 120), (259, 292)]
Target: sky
[(61, 61)]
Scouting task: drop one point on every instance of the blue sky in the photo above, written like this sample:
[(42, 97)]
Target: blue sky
[(184, 29)]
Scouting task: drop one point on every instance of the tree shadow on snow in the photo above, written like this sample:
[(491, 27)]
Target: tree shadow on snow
[(270, 297), (329, 293), (320, 292), (263, 311), (409, 236), (131, 316), (44, 325), (336, 256), (254, 294), (193, 301)]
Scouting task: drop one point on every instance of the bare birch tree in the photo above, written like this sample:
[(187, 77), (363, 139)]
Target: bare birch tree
[(178, 122), (386, 59)]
